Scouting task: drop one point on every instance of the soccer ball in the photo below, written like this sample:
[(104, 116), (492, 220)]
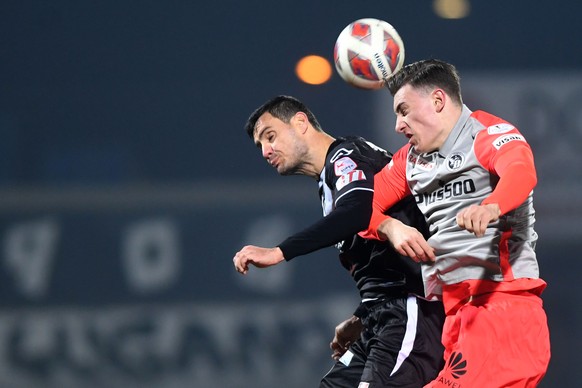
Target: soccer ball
[(367, 52)]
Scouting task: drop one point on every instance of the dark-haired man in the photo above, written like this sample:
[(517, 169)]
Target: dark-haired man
[(393, 339)]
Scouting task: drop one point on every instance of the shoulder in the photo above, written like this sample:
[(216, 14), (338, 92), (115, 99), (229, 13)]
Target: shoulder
[(358, 149), (353, 144), (402, 154), (493, 134), (354, 156), (397, 164), (493, 131)]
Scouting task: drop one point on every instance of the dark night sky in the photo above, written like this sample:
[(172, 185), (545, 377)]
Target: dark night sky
[(148, 91)]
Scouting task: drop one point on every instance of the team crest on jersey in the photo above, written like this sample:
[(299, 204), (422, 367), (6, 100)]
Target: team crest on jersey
[(346, 179), (501, 140), (455, 161), (344, 165), (499, 128)]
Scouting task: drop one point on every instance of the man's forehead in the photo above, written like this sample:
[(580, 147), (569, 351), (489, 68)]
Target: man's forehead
[(408, 93), (262, 121), (399, 99), (403, 91)]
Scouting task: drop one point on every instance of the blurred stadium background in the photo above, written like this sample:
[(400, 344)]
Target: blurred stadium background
[(127, 182)]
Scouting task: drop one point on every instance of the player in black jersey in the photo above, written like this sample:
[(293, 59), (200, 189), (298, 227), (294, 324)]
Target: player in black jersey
[(394, 337)]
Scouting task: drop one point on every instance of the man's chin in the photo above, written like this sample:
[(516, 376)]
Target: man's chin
[(285, 171)]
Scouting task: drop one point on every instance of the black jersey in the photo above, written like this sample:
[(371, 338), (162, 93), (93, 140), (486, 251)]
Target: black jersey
[(346, 189)]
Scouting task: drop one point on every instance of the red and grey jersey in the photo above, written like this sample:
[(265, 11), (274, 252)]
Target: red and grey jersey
[(484, 160), (346, 190)]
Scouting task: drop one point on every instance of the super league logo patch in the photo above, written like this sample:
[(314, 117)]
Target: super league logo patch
[(344, 165), (499, 128)]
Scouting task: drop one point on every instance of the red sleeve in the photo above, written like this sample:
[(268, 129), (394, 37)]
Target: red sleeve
[(509, 157), (390, 186)]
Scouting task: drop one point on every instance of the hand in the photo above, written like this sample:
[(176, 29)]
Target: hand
[(475, 218), (257, 256), (346, 333), (406, 240)]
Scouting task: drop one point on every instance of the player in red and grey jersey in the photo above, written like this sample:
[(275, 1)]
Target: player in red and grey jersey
[(472, 175), (393, 339)]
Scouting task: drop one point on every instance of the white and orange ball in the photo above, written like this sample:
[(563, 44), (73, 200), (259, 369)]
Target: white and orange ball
[(367, 52)]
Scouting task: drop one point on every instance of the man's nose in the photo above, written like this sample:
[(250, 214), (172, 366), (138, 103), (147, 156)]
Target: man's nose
[(267, 151), (399, 127)]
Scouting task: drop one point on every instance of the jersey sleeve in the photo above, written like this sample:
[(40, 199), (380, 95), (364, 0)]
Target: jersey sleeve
[(350, 176), (346, 220), (389, 188), (508, 156)]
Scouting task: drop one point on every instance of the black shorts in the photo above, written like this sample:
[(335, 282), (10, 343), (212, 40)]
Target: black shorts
[(400, 346)]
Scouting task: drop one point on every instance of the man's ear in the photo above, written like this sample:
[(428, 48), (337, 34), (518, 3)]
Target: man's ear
[(300, 121), (439, 99)]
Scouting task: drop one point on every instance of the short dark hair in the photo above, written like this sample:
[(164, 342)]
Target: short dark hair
[(428, 73), (282, 108)]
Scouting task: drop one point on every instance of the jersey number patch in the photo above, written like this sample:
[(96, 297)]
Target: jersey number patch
[(346, 179)]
